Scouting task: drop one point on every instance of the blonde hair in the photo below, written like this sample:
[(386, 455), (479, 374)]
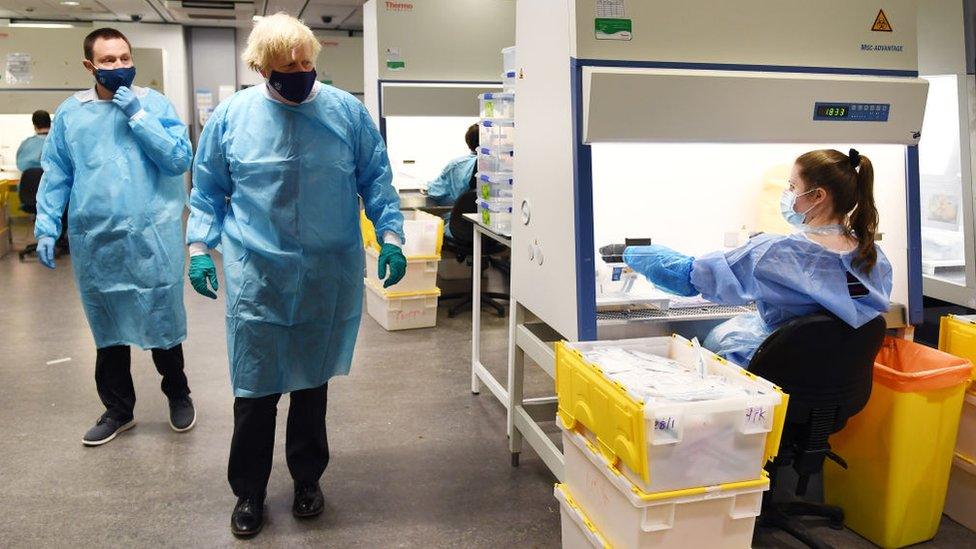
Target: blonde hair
[(277, 35)]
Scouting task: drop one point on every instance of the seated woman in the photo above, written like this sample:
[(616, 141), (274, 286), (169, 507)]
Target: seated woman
[(455, 178), (830, 264)]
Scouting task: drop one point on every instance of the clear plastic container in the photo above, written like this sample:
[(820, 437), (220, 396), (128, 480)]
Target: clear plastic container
[(496, 214), (496, 160), (497, 133), (508, 59), (497, 105), (577, 530), (495, 186), (671, 444), (623, 515), (401, 310), (421, 273), (509, 78)]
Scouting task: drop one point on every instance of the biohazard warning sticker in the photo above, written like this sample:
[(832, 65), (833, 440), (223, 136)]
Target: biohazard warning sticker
[(881, 23)]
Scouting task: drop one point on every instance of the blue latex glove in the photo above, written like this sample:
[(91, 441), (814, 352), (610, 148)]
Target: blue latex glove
[(391, 256), (126, 100), (666, 268), (45, 251), (202, 270)]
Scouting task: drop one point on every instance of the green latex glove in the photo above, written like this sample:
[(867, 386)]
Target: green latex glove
[(201, 270), (392, 256)]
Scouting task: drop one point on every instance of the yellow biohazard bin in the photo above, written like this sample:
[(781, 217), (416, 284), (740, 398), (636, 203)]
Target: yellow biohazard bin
[(899, 448)]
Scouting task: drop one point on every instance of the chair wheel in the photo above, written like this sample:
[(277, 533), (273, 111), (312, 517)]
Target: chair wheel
[(515, 460), (836, 525)]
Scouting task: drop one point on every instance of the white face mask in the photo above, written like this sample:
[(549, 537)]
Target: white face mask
[(786, 204)]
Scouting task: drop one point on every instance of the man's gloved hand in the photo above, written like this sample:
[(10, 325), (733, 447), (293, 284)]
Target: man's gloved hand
[(201, 270), (45, 251), (126, 100), (613, 253), (391, 256)]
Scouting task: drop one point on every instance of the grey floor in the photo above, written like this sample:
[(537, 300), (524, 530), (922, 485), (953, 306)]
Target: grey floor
[(417, 460)]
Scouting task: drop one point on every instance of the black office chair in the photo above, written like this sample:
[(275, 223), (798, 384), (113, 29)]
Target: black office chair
[(30, 182), (461, 243), (827, 369)]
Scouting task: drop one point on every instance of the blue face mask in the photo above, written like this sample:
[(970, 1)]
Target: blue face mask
[(113, 79), (293, 86), (786, 204)]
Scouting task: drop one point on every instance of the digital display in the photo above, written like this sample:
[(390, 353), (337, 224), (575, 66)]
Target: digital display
[(832, 111)]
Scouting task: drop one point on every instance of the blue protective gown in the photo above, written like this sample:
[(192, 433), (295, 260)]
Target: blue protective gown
[(786, 277), (124, 178), (290, 236), (29, 152), (453, 181)]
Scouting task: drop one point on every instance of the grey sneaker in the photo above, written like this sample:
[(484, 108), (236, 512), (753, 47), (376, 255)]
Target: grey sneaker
[(182, 414), (105, 430)]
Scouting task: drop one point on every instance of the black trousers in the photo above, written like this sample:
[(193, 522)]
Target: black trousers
[(252, 447), (113, 377)]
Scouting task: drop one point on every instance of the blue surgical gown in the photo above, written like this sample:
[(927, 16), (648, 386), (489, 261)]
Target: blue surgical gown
[(786, 277), (278, 187), (124, 178), (29, 152), (453, 181)]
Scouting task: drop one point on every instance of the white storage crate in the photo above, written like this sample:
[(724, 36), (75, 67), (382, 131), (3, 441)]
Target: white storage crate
[(966, 440), (960, 503), (421, 273), (497, 105), (508, 59), (496, 214), (498, 160), (497, 133), (401, 310), (508, 80), (716, 517), (671, 444), (495, 186), (577, 530), (424, 232)]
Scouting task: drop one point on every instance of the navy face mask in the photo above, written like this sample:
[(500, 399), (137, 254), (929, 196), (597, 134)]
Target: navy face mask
[(293, 86), (113, 79)]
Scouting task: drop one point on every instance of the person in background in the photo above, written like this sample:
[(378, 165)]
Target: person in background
[(277, 181), (119, 153), (29, 151), (455, 178), (831, 263)]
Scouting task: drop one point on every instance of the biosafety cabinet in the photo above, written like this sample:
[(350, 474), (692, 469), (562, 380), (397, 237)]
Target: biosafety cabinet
[(946, 42), (425, 63), (679, 121)]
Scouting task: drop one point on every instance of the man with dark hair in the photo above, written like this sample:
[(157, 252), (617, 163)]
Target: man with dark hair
[(119, 152), (29, 151), (455, 178)]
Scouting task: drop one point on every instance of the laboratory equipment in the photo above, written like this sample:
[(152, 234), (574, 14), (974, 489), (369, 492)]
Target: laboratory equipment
[(422, 95), (598, 159), (946, 59)]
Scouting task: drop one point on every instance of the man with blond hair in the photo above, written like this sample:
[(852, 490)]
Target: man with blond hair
[(277, 182)]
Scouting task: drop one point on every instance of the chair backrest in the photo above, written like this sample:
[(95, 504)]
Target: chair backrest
[(462, 231), (824, 364), (30, 181)]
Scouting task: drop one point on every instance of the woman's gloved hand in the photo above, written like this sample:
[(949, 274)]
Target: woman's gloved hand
[(392, 260), (666, 268), (201, 270)]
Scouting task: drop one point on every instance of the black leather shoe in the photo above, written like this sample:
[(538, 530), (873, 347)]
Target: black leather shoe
[(248, 517), (309, 501)]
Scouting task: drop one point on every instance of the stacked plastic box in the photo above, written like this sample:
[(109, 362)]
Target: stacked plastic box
[(681, 471), (496, 153), (957, 336), (411, 303)]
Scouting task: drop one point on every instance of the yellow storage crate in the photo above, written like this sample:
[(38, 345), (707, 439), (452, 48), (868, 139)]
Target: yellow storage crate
[(957, 336), (424, 232), (646, 441), (899, 448)]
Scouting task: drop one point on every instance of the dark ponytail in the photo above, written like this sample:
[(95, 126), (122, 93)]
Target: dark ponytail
[(849, 179), (863, 221)]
